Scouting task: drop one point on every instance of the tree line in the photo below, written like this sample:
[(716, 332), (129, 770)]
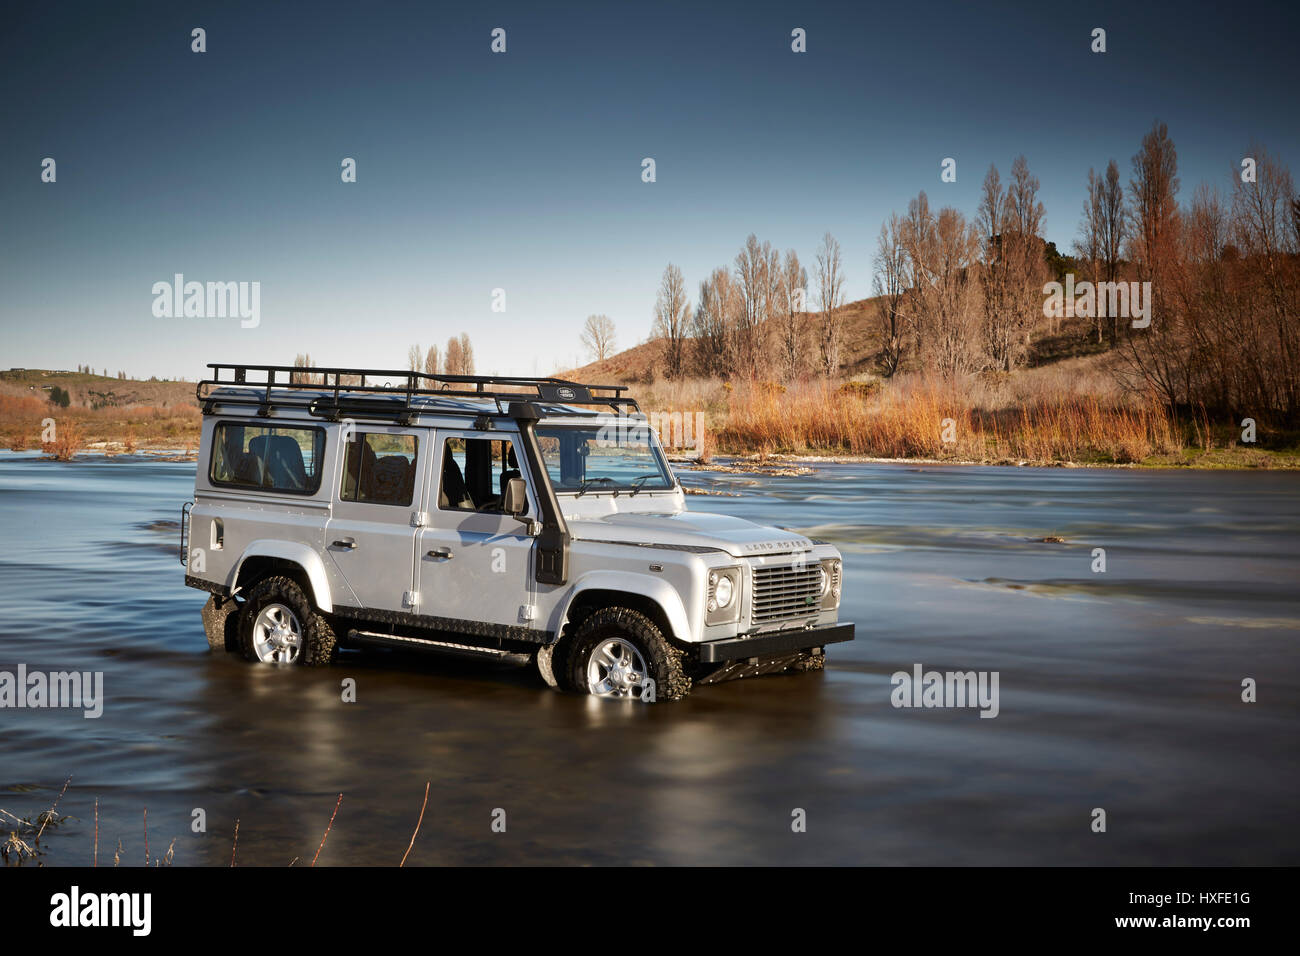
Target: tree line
[(954, 297)]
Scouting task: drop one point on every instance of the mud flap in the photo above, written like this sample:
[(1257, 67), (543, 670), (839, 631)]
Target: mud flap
[(220, 623), (545, 666)]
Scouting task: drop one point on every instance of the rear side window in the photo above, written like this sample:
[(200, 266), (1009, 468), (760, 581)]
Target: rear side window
[(380, 469), (267, 457)]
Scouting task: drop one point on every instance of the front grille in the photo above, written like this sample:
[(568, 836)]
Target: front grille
[(787, 591)]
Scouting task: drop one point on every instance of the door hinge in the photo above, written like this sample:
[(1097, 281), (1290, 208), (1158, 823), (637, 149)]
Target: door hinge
[(419, 519), (527, 612), (410, 599)]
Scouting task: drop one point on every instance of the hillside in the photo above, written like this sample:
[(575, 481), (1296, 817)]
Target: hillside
[(103, 411), (862, 342), (92, 392)]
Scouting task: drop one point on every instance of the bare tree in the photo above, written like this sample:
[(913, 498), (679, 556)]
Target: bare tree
[(1114, 221), (1088, 247), (453, 361), (713, 323), (1101, 237), (414, 358), (757, 277), (830, 296), (991, 221), (1157, 358), (945, 295), (598, 336), (305, 378), (889, 283), (1154, 188), (1269, 237), (431, 366), (466, 354), (1025, 213), (792, 296), (671, 312)]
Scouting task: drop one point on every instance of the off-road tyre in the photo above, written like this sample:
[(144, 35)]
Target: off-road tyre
[(663, 661), (319, 642)]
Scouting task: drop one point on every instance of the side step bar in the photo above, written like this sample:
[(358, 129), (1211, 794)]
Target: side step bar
[(442, 647)]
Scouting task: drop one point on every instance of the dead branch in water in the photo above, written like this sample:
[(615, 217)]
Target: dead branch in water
[(327, 831), (417, 826)]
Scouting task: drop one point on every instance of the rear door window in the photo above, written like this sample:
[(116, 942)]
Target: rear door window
[(380, 469), (267, 457)]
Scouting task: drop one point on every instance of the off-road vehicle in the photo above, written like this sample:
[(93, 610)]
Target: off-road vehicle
[(490, 515)]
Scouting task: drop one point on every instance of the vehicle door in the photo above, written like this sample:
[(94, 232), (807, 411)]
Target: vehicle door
[(475, 562), (371, 535)]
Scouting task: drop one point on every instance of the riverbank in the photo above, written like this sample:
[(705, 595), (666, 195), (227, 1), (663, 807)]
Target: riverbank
[(1230, 459)]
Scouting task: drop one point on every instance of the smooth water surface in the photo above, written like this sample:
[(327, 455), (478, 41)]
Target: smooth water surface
[(1119, 690)]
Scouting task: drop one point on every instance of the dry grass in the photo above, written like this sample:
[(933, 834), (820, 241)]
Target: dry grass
[(21, 425), (920, 419)]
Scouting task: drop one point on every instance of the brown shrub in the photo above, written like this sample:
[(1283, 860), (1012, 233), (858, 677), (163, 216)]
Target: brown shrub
[(68, 439)]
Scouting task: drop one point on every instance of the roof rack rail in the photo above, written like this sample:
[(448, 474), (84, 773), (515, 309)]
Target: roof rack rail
[(350, 391)]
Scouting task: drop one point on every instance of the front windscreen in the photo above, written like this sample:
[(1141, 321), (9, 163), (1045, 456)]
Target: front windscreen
[(624, 456)]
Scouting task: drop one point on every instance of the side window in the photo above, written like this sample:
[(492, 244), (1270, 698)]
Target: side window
[(474, 474), (380, 469), (269, 458)]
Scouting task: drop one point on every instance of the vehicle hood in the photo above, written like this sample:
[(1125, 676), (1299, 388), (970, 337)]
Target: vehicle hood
[(736, 536)]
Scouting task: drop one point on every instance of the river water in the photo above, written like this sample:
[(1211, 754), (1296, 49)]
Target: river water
[(1119, 690)]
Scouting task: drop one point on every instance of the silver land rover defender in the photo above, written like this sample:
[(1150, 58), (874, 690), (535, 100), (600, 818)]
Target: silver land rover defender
[(498, 516)]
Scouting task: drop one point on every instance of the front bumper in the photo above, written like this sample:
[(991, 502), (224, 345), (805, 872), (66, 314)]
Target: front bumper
[(771, 645)]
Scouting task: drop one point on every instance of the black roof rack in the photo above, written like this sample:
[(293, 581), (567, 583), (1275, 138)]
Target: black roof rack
[(350, 392)]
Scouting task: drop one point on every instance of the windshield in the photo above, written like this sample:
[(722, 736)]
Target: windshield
[(587, 458)]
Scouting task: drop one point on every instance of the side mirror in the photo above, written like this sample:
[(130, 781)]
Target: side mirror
[(515, 501)]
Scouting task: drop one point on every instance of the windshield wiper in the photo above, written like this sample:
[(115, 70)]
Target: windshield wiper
[(639, 480), (582, 489)]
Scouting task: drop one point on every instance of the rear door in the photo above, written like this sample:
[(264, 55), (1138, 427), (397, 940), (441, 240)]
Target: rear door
[(371, 535), (473, 561)]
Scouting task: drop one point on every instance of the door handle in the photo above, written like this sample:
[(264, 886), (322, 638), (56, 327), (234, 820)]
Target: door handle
[(441, 553), (347, 544)]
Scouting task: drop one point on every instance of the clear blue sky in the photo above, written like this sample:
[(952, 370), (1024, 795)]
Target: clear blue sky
[(522, 170)]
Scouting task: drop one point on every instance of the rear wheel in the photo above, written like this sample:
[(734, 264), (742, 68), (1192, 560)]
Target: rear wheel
[(278, 625), (620, 653)]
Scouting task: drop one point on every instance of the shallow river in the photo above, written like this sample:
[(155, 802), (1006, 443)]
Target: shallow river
[(1119, 690)]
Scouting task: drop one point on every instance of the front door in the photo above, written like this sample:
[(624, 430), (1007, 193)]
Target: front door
[(473, 561), (371, 535)]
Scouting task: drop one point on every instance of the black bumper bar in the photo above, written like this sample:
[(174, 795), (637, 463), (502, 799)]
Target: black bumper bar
[(770, 645)]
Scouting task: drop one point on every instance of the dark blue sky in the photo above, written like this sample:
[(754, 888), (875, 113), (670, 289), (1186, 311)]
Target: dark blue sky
[(522, 171)]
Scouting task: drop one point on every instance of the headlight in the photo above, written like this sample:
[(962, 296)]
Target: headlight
[(724, 591), (723, 601)]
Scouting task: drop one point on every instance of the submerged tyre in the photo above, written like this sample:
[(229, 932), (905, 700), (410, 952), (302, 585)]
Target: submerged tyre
[(615, 650), (278, 625)]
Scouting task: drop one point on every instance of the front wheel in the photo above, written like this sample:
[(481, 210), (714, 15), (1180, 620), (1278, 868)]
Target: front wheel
[(620, 653), (278, 625)]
